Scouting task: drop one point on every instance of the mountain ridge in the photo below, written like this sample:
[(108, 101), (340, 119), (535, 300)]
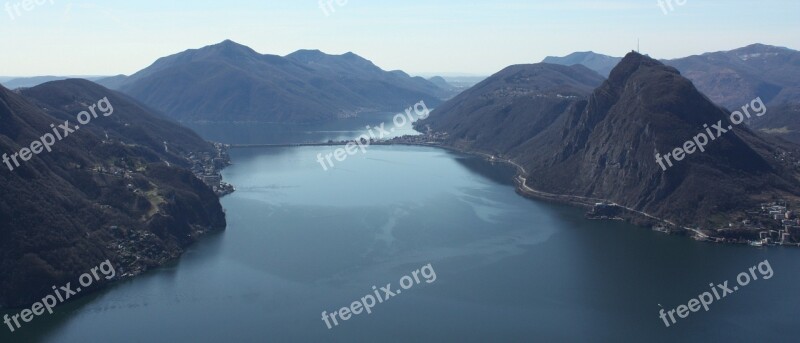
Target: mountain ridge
[(230, 82)]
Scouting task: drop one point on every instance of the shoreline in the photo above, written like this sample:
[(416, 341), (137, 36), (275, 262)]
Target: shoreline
[(630, 215), (617, 211)]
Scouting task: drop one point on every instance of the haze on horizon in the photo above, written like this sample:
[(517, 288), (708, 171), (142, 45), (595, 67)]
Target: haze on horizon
[(419, 37)]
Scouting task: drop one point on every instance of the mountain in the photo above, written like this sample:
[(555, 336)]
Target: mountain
[(450, 89), (117, 188), (112, 82), (600, 63), (25, 82), (603, 146), (507, 108), (230, 82), (455, 84), (440, 82), (462, 83), (729, 78), (733, 78)]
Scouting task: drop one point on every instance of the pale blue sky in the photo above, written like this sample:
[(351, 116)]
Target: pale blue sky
[(419, 36)]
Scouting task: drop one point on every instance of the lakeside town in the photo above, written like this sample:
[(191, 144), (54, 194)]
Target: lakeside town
[(768, 224), (774, 223), (208, 166)]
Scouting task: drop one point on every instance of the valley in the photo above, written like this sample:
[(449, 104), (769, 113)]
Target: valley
[(281, 171)]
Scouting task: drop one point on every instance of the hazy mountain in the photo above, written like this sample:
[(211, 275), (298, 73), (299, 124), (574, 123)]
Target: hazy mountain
[(112, 82), (462, 83), (104, 192), (231, 82), (603, 145), (450, 89), (24, 82), (729, 78), (440, 82), (733, 78), (455, 84), (600, 63)]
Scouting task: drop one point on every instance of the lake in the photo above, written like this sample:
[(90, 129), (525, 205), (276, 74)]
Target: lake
[(301, 241)]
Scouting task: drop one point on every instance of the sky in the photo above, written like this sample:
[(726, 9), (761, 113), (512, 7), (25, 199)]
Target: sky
[(421, 37)]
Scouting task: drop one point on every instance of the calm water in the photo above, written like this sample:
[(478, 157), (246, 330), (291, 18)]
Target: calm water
[(301, 241)]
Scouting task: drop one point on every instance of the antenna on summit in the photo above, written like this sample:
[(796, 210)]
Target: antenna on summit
[(637, 45)]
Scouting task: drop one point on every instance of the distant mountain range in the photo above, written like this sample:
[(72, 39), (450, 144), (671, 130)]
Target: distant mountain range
[(600, 63), (440, 82), (733, 78), (601, 143), (455, 84), (119, 188), (229, 82), (25, 82)]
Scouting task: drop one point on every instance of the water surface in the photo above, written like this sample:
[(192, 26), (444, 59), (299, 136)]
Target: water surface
[(301, 241)]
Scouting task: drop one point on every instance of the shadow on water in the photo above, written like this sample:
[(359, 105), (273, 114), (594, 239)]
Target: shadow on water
[(46, 327), (634, 272), (500, 173)]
